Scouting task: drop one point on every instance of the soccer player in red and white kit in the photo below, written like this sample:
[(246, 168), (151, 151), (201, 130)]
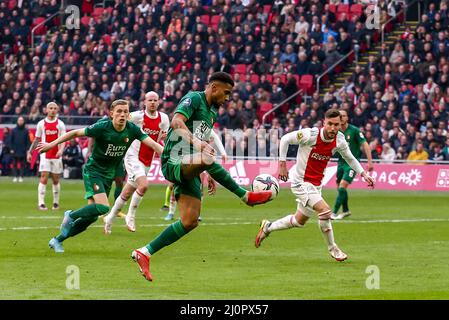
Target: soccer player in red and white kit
[(138, 161), (50, 163), (316, 147)]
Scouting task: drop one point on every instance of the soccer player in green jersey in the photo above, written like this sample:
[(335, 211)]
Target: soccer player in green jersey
[(186, 154), (113, 137), (345, 174)]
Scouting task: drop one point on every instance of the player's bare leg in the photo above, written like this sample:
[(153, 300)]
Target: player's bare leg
[(296, 220), (41, 190), (189, 209), (56, 188), (324, 221), (119, 203)]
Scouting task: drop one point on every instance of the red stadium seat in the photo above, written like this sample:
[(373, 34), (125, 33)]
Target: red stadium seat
[(40, 30), (85, 20), (240, 68), (12, 4), (306, 83), (215, 19), (332, 8), (283, 78), (343, 8), (356, 9), (98, 11), (205, 19), (270, 78), (267, 8), (264, 108), (254, 78), (298, 79)]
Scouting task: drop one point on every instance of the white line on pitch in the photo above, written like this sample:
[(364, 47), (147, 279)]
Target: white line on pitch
[(244, 223)]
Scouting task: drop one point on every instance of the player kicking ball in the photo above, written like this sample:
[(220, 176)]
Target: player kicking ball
[(113, 137), (186, 154), (316, 147), (138, 161)]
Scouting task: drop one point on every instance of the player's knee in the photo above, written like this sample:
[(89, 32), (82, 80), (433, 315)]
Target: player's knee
[(325, 214), (189, 223), (102, 209), (43, 179), (207, 159), (142, 188)]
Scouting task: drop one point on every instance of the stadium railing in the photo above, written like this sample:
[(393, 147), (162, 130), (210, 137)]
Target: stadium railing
[(42, 23)]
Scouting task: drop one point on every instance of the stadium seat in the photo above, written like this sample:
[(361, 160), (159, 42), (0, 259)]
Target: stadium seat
[(240, 68), (214, 22), (356, 9), (298, 79), (42, 30), (12, 4), (283, 78), (264, 108), (85, 20), (306, 83), (267, 8), (332, 8), (343, 8), (270, 78), (205, 19), (98, 11), (254, 78)]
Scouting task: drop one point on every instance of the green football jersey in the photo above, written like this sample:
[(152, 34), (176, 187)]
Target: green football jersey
[(355, 138), (110, 146), (200, 119)]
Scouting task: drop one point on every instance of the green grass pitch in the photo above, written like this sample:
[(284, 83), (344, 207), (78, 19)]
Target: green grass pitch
[(404, 234)]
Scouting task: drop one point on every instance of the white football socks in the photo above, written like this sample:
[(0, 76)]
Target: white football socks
[(135, 201), (56, 190), (328, 232), (118, 205), (41, 189), (284, 223)]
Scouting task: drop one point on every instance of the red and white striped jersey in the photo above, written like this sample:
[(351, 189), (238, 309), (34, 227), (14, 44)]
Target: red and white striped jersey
[(314, 153), (151, 126), (48, 131)]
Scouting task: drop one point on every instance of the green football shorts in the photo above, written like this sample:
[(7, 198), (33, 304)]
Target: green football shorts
[(94, 184), (172, 172), (120, 170), (344, 172)]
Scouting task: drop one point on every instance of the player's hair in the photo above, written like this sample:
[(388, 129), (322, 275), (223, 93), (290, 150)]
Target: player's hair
[(118, 102), (51, 103), (222, 77), (332, 113), (344, 110)]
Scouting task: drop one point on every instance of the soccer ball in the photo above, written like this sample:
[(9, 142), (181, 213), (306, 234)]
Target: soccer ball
[(265, 182)]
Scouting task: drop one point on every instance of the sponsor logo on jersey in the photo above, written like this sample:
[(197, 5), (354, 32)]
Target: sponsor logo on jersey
[(96, 187), (49, 132), (187, 102), (115, 151), (348, 137), (150, 132), (299, 135), (126, 139), (320, 157), (202, 131)]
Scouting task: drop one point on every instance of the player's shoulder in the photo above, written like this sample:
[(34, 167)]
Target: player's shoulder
[(192, 97), (341, 138), (41, 122), (353, 128)]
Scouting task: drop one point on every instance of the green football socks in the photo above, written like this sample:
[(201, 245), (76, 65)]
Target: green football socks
[(342, 199), (171, 234), (219, 174)]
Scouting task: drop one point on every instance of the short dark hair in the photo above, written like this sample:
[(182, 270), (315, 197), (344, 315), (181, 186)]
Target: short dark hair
[(332, 113), (222, 77)]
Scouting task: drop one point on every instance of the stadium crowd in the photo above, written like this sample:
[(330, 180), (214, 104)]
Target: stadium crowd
[(130, 47)]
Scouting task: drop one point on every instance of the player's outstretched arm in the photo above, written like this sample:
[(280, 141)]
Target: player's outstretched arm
[(44, 147), (153, 145), (355, 165), (367, 151)]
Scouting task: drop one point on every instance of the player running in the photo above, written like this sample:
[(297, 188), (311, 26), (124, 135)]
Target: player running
[(345, 174), (50, 163), (138, 161), (112, 139), (316, 147), (186, 154)]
